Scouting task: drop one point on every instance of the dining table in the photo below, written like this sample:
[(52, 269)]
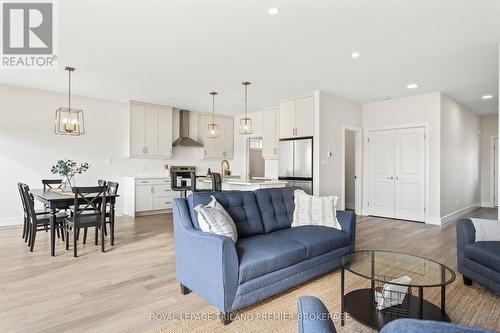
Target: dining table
[(55, 200)]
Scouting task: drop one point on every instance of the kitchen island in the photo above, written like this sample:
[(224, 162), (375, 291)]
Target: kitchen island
[(241, 184)]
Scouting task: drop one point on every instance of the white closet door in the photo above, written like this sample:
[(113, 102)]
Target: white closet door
[(381, 173), (409, 178)]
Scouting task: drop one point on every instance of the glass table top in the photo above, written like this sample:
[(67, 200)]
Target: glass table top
[(384, 266)]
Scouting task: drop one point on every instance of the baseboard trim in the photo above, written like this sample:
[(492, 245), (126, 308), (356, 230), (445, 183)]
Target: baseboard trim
[(488, 205), (11, 221), (452, 216)]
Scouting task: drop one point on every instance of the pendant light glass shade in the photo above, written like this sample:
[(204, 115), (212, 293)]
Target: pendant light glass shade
[(245, 122), (213, 128), (69, 121)]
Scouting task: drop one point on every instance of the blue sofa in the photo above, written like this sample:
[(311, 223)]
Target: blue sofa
[(269, 256), (477, 261), (313, 317)]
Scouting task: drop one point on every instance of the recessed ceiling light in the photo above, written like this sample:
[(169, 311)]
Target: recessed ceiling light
[(487, 96), (355, 55), (273, 11), (412, 86)]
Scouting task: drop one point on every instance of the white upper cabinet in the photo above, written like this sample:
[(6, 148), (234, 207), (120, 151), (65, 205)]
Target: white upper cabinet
[(216, 148), (270, 132), (150, 130), (297, 117)]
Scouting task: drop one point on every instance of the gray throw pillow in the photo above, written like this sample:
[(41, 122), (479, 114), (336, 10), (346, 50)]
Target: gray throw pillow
[(214, 219)]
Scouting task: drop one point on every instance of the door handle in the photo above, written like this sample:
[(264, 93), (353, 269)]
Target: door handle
[(390, 178), (397, 178)]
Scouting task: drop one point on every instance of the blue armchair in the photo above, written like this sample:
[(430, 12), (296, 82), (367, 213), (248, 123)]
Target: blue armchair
[(477, 261)]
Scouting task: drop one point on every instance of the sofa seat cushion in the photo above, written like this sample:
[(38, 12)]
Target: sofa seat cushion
[(485, 253), (318, 240), (240, 205), (263, 254)]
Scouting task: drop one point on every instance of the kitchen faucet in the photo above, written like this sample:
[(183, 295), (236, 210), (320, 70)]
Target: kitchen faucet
[(224, 171)]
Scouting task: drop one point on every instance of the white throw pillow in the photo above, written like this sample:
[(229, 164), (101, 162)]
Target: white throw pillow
[(213, 218), (311, 210), (486, 230)]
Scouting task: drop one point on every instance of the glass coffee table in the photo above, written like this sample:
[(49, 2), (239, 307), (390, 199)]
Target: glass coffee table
[(389, 274)]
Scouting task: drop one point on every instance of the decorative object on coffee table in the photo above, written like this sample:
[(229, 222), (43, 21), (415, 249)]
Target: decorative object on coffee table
[(68, 169), (382, 268)]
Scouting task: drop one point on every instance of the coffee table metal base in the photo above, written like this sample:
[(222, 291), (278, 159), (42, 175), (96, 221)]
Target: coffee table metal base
[(360, 306)]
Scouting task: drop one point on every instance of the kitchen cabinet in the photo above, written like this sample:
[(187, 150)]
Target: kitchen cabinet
[(296, 117), (270, 132), (150, 130), (216, 148), (147, 195)]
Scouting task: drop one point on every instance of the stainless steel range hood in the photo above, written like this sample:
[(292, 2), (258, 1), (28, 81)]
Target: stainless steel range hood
[(184, 140)]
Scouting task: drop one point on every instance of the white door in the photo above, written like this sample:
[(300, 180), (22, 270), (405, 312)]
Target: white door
[(495, 172), (409, 171), (381, 173), (397, 174)]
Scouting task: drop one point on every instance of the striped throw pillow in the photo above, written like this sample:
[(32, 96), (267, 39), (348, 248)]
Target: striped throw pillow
[(213, 218), (311, 210)]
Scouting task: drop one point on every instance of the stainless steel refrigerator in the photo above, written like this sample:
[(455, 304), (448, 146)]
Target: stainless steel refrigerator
[(295, 162)]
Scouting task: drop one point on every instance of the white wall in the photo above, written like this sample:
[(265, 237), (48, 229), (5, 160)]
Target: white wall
[(334, 114), (422, 109), (489, 129), (28, 145), (460, 158)]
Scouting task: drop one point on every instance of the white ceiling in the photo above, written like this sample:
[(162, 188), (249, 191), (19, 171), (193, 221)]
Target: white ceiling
[(175, 52)]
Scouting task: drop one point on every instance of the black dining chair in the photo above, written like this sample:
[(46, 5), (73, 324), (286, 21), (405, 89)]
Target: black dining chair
[(112, 190), (216, 182), (101, 182), (38, 220), (89, 212), (51, 183)]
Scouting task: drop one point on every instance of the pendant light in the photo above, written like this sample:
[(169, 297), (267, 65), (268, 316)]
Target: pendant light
[(246, 123), (69, 121), (213, 128)]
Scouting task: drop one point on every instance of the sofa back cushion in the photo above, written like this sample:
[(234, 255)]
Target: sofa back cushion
[(241, 206), (276, 207)]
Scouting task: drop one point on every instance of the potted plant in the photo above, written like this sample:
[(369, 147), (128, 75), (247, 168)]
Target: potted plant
[(68, 169)]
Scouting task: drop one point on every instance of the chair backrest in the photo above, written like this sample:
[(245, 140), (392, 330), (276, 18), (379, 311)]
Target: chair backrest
[(21, 194), (216, 181), (29, 202), (51, 183), (87, 199), (112, 188), (101, 182)]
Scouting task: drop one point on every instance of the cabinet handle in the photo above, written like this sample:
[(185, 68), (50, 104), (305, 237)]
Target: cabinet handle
[(397, 178), (152, 189), (144, 150), (390, 178), (144, 181)]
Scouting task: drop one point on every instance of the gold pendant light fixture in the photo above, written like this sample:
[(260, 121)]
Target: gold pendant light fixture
[(69, 121), (213, 128), (246, 123)]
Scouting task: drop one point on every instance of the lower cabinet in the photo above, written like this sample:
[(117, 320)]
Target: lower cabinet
[(148, 195)]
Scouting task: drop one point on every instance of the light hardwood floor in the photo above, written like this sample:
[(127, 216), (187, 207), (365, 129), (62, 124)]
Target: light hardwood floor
[(117, 291)]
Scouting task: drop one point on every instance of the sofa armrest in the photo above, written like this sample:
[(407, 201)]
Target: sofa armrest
[(347, 221), (466, 234), (205, 263), (313, 316)]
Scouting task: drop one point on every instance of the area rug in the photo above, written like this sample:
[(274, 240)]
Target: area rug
[(468, 305)]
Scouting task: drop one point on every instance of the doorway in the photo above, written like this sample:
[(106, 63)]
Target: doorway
[(396, 173), (256, 163), (494, 171), (351, 169)]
